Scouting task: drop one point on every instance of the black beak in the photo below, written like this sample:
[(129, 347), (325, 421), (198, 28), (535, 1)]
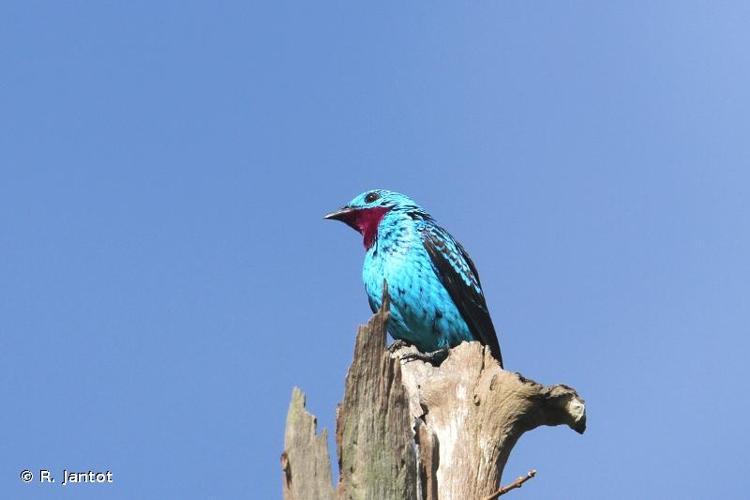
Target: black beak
[(344, 214), (347, 215)]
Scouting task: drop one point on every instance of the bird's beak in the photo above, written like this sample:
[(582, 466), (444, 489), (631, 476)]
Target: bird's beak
[(344, 214), (347, 215)]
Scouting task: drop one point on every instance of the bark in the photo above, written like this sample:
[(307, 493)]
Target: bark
[(415, 431)]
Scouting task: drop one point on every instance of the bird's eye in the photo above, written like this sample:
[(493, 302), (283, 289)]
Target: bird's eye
[(371, 197)]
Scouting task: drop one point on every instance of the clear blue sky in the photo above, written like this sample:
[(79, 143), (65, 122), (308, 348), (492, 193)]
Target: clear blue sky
[(166, 277)]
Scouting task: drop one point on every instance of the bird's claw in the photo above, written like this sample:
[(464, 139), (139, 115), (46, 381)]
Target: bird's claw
[(434, 357), (397, 344)]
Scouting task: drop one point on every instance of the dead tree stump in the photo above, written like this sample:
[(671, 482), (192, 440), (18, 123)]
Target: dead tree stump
[(415, 431)]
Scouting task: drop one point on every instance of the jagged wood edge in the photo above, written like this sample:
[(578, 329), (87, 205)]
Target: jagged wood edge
[(306, 468)]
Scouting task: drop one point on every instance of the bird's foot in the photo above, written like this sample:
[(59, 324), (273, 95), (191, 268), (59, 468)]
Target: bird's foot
[(434, 357), (397, 344)]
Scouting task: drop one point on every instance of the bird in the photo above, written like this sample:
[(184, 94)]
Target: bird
[(436, 298)]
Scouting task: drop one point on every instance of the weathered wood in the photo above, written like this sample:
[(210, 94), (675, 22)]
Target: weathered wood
[(415, 431), (306, 469), (374, 437), (475, 412)]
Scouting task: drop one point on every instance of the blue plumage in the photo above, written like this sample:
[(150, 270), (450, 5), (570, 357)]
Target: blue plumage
[(436, 296)]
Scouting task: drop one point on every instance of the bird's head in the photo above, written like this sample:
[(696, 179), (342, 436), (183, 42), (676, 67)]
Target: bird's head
[(365, 212)]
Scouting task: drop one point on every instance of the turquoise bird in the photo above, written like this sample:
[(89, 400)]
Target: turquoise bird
[(436, 296)]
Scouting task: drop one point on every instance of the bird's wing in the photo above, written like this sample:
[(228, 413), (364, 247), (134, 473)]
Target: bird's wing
[(460, 278), (373, 304)]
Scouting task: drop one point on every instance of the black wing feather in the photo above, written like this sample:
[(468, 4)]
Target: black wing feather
[(468, 297)]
